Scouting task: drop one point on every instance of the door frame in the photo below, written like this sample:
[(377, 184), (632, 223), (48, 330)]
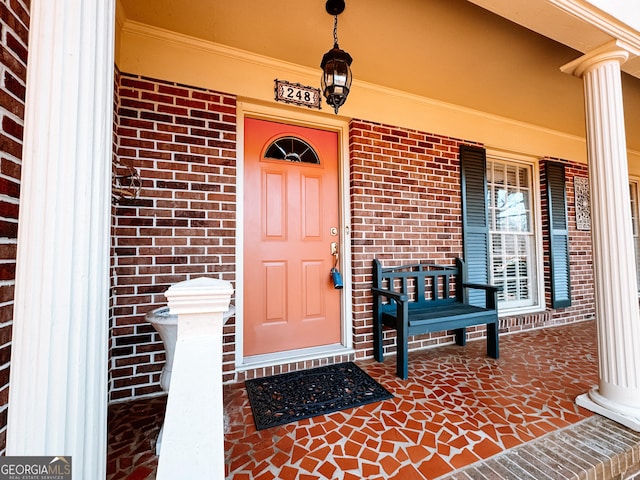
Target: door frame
[(320, 121)]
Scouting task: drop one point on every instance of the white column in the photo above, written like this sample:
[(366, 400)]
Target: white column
[(618, 393), (193, 433), (58, 382)]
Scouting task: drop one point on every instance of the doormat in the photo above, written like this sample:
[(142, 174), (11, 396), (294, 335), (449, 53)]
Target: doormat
[(293, 396)]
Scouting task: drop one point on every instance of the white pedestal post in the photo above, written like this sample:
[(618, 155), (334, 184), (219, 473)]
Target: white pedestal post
[(58, 383), (193, 435), (618, 393)]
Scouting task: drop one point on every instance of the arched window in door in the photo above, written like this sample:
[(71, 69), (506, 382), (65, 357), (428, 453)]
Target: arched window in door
[(292, 149)]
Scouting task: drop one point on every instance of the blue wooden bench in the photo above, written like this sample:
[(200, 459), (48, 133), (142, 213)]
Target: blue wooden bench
[(424, 298)]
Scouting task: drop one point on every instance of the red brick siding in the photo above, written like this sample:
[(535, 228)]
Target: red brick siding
[(115, 163), (14, 33), (406, 206), (405, 197), (182, 141), (405, 193)]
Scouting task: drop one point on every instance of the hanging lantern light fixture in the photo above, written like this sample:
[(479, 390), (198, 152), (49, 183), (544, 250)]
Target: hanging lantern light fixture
[(336, 71)]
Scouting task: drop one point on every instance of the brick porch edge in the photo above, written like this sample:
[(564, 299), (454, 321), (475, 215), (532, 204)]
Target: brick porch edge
[(594, 449)]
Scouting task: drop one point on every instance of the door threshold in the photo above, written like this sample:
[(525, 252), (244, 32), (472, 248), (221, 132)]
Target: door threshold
[(291, 356)]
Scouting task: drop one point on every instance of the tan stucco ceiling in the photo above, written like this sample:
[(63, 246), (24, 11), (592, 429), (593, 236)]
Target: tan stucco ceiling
[(449, 50), (579, 24)]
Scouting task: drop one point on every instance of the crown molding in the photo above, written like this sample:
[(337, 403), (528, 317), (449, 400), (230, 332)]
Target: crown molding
[(193, 43)]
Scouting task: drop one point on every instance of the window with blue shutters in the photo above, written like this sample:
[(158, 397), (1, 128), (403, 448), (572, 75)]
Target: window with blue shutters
[(501, 238)]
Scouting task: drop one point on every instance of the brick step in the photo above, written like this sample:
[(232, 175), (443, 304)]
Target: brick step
[(594, 449)]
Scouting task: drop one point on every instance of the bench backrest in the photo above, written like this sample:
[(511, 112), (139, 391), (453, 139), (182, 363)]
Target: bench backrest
[(424, 283)]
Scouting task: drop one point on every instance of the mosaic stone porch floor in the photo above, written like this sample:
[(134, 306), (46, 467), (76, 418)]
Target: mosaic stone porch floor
[(457, 407)]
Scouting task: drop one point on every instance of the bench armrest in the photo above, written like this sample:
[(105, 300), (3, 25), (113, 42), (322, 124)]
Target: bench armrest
[(491, 293), (397, 296), (481, 286)]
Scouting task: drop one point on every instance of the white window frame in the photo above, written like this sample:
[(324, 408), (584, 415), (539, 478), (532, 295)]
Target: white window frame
[(533, 165)]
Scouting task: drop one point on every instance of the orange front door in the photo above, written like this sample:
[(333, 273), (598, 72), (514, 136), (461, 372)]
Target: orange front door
[(291, 218)]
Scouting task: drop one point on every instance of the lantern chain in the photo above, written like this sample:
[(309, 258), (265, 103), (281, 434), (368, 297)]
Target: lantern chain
[(335, 30)]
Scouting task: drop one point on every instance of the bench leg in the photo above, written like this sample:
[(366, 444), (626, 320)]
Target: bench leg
[(378, 348), (461, 336), (402, 360), (493, 349)]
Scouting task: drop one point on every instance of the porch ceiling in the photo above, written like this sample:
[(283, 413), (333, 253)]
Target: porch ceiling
[(454, 50)]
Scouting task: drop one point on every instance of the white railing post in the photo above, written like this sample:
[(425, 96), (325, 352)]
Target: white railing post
[(193, 437)]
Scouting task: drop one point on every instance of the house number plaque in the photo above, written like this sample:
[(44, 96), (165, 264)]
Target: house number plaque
[(297, 94)]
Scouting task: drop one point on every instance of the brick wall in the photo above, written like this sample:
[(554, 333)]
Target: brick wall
[(14, 32), (405, 194), (182, 141), (405, 191), (114, 171)]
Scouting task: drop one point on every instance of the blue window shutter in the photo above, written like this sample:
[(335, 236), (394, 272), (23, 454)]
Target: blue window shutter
[(558, 236), (475, 220)]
